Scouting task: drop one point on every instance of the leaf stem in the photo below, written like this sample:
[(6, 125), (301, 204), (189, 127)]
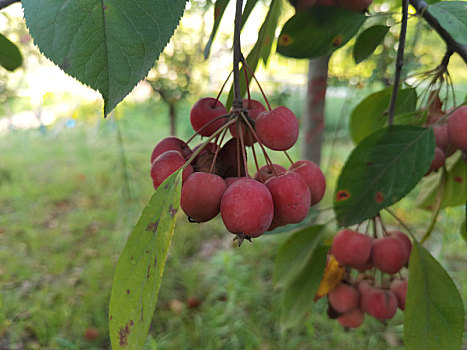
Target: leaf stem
[(399, 61)]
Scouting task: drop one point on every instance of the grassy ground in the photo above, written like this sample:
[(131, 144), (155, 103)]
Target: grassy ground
[(68, 200)]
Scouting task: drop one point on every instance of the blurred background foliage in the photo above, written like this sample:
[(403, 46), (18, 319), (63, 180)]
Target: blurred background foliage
[(72, 186)]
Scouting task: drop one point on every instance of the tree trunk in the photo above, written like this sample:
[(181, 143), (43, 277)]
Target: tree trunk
[(173, 119), (313, 119)]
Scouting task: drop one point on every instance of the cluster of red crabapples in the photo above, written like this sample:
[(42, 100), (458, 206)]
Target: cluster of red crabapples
[(450, 135), (351, 299), (215, 178)]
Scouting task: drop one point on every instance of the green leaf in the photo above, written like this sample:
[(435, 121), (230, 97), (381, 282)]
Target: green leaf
[(10, 56), (140, 267), (434, 314), (294, 253), (111, 46), (308, 221), (369, 115), (318, 31), (381, 170), (219, 9), (368, 41), (455, 192), (297, 297), (249, 6), (452, 15), (261, 49)]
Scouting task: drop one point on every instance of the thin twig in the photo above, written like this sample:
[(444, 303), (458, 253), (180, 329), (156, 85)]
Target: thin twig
[(399, 61), (237, 54), (421, 8)]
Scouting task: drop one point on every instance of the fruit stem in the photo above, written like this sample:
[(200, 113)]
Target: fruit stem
[(402, 223), (257, 82), (222, 89), (237, 54), (256, 163), (217, 150), (266, 157), (439, 201), (210, 138), (288, 157), (242, 146), (385, 232), (207, 124), (239, 172), (399, 61)]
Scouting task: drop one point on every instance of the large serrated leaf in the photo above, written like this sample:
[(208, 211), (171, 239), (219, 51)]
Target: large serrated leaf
[(219, 9), (368, 41), (10, 56), (434, 314), (318, 31), (455, 190), (140, 267), (297, 297), (369, 115), (294, 253), (261, 49), (452, 15), (381, 170), (109, 45)]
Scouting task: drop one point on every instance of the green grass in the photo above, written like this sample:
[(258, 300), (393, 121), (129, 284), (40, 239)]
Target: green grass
[(67, 205)]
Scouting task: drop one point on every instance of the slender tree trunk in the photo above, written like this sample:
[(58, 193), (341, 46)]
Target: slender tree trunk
[(173, 119), (313, 120)]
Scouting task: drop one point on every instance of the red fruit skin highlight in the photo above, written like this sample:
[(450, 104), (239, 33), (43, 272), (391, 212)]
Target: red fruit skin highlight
[(457, 128), (405, 241), (247, 207), (379, 303), (203, 112), (171, 144), (201, 196), (277, 129), (352, 319), (399, 287), (291, 197), (343, 298), (351, 248), (313, 176), (388, 254), (166, 164)]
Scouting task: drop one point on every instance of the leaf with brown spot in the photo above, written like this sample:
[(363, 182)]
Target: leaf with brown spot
[(136, 285), (455, 192)]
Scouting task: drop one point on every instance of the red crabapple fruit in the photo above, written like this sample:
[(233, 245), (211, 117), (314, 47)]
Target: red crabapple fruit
[(254, 108), (457, 128), (201, 196), (171, 144), (247, 208), (277, 129), (388, 254), (343, 298), (379, 303), (205, 111), (313, 176), (439, 159), (351, 248), (405, 241), (399, 287), (351, 319), (291, 197), (266, 172), (166, 164), (227, 160), (441, 136)]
